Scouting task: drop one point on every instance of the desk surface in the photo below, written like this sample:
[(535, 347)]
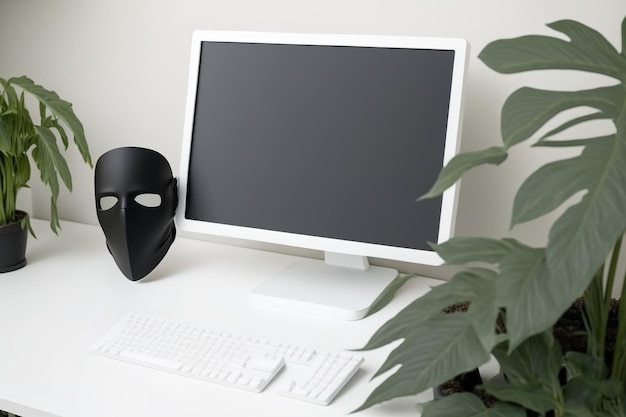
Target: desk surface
[(70, 293)]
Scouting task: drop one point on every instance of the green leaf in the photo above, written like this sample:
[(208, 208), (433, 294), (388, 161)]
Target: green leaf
[(435, 351), (59, 127), (438, 346), (583, 393), (587, 51), (585, 366), (529, 395), (554, 183), (532, 373), (465, 286), (581, 239), (561, 143), (547, 189), (461, 250), (537, 358), (60, 109), (55, 225), (533, 300), (571, 123), (468, 405), (5, 139), (22, 172), (387, 295), (624, 37), (462, 163), (10, 93), (579, 411), (51, 165), (526, 110), (483, 314), (49, 160), (461, 404)]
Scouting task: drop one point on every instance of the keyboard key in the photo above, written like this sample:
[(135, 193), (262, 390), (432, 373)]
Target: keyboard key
[(150, 360)]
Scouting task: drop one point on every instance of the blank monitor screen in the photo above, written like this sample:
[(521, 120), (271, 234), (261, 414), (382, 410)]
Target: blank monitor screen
[(330, 141)]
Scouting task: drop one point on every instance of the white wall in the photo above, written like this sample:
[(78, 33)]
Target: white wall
[(123, 64)]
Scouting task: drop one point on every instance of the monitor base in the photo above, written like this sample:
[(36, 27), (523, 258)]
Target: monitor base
[(315, 287)]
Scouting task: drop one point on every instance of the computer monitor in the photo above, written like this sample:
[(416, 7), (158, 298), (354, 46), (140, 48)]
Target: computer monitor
[(322, 142)]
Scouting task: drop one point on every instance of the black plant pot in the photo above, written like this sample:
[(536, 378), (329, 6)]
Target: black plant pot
[(13, 240)]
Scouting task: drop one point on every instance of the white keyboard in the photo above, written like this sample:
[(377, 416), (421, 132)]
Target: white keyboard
[(225, 358)]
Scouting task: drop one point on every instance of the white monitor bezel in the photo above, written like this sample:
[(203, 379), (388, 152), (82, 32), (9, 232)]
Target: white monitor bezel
[(449, 198)]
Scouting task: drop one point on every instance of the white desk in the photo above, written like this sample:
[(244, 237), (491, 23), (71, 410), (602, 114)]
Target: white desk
[(70, 293)]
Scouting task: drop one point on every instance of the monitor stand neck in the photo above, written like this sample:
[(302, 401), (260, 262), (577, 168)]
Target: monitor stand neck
[(359, 263), (342, 286)]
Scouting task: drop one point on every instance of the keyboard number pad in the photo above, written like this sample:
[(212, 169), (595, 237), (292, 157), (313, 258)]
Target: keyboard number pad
[(324, 381)]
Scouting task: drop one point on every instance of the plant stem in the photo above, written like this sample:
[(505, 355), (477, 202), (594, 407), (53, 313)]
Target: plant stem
[(596, 314), (610, 282), (608, 296), (619, 371), (7, 189)]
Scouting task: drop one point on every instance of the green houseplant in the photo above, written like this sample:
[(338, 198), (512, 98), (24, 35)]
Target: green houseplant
[(516, 293), (23, 140)]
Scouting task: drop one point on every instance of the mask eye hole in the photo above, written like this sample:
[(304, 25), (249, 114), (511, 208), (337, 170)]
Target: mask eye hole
[(148, 200), (108, 202)]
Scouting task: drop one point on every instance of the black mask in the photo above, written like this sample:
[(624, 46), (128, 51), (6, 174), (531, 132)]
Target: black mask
[(136, 198)]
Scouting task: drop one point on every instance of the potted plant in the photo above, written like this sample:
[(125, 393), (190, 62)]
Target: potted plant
[(515, 293), (22, 140)]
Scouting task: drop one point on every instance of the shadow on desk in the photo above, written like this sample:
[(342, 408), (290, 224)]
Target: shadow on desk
[(178, 259)]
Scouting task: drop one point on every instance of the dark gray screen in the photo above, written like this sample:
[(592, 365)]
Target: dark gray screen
[(320, 140)]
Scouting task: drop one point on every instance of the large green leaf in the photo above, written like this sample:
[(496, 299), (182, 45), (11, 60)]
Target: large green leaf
[(468, 405), (587, 51), (438, 346), (462, 163), (60, 109), (552, 184), (531, 298), (526, 110), (435, 351), (468, 285), (581, 239), (461, 250)]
